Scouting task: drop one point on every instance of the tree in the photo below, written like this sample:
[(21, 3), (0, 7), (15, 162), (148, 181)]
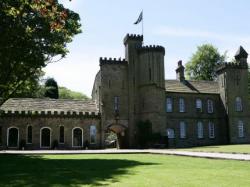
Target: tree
[(249, 85), (51, 89), (203, 62), (31, 88), (33, 33), (65, 93)]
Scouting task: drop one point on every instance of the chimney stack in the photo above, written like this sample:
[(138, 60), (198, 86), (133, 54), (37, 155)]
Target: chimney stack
[(180, 72)]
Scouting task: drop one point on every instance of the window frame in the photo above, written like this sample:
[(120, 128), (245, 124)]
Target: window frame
[(90, 134), (170, 133), (198, 105), (210, 106), (116, 103), (200, 130), (27, 138), (183, 130), (61, 142), (238, 104), (182, 108), (241, 130), (169, 104), (211, 130)]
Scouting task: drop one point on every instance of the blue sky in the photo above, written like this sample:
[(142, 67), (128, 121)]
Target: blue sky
[(178, 25)]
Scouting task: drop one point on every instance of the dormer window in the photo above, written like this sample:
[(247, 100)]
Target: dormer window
[(238, 104)]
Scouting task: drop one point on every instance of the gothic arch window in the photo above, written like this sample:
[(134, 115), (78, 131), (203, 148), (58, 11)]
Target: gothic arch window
[(29, 134), (45, 137), (77, 137), (13, 137), (238, 104)]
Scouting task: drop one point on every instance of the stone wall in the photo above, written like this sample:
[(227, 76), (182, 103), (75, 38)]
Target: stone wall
[(54, 124), (191, 117)]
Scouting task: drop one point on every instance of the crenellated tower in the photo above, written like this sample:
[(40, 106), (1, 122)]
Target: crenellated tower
[(151, 86), (233, 86), (131, 89)]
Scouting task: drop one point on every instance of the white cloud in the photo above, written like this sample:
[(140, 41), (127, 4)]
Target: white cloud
[(192, 33)]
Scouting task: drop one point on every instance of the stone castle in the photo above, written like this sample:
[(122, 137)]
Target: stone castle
[(186, 113)]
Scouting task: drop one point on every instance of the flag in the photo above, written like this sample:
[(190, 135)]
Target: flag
[(139, 18)]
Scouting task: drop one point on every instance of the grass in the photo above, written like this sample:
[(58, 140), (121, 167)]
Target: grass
[(120, 170), (243, 148)]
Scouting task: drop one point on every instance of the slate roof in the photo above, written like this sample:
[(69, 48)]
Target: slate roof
[(206, 87), (59, 105)]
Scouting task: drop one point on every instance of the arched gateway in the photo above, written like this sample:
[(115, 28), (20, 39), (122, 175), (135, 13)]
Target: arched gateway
[(45, 137), (13, 137), (120, 131)]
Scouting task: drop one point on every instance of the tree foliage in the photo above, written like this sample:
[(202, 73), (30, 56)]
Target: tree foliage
[(31, 88), (65, 93), (32, 34), (51, 89), (203, 62)]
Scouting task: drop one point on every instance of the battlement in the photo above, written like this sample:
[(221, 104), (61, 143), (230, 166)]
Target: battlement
[(106, 60), (50, 113), (231, 65), (133, 37), (152, 48)]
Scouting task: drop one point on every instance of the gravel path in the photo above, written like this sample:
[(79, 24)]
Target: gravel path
[(229, 156)]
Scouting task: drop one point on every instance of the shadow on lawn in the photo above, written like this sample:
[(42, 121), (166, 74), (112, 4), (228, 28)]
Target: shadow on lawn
[(33, 171)]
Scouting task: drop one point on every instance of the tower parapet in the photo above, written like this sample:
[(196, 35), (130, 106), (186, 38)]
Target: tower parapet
[(231, 65), (151, 48), (133, 37), (105, 60)]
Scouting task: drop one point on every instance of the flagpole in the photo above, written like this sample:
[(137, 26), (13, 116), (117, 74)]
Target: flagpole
[(142, 26), (142, 22)]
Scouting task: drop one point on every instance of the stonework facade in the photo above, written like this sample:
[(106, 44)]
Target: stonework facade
[(125, 91)]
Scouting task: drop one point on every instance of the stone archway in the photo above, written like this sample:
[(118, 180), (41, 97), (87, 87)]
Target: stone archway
[(120, 131), (77, 137)]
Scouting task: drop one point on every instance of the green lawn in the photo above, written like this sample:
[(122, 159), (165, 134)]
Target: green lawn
[(243, 148), (128, 170)]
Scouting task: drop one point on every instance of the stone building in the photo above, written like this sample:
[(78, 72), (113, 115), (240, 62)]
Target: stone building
[(186, 113)]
